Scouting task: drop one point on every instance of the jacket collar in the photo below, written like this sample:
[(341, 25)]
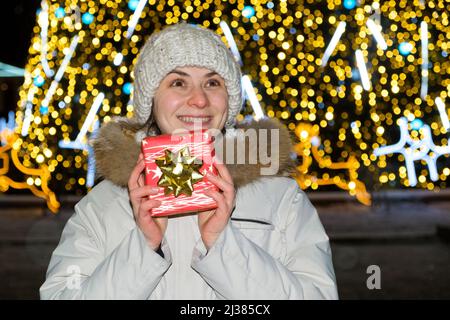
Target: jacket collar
[(116, 151)]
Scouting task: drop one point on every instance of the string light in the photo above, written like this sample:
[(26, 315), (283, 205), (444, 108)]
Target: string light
[(442, 113), (37, 181), (424, 49), (251, 96), (308, 149), (90, 117), (135, 17), (362, 69), (247, 87), (79, 144), (118, 59), (43, 22), (7, 127), (376, 33), (59, 74), (417, 150), (232, 44), (334, 41), (28, 110)]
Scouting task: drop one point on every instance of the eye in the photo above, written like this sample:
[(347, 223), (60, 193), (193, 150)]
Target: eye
[(177, 83), (213, 83)]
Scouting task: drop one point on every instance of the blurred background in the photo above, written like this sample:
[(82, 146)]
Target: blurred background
[(362, 86)]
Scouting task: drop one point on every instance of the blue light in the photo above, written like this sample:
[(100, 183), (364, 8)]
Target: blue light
[(293, 155), (255, 37), (132, 4), (86, 66), (87, 18), (416, 124), (43, 109), (38, 81), (349, 4), (7, 125), (248, 119), (444, 54), (194, 25), (60, 13), (405, 48), (292, 30), (270, 5), (355, 74), (248, 12), (127, 88)]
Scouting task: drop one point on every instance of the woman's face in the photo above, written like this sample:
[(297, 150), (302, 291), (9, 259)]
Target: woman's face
[(191, 98)]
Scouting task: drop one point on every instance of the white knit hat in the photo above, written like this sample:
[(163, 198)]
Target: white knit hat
[(182, 45)]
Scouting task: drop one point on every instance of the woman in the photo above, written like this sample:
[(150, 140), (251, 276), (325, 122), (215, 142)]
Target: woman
[(264, 240)]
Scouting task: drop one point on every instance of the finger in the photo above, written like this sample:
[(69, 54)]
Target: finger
[(141, 180), (224, 172), (221, 203), (221, 184), (162, 219), (229, 197), (204, 215), (146, 206), (133, 180), (161, 222), (142, 192)]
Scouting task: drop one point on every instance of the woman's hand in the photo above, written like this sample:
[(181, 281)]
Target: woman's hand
[(212, 223), (153, 228)]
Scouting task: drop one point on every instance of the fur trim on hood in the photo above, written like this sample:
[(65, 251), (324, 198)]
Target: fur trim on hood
[(116, 151)]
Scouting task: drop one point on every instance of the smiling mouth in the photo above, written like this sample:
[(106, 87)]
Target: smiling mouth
[(197, 119)]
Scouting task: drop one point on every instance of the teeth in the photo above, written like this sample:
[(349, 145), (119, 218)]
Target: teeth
[(194, 119)]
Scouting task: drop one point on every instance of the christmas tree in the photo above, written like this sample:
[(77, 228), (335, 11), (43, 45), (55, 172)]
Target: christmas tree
[(361, 84)]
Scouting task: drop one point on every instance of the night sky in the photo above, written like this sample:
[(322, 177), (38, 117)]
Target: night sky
[(17, 19)]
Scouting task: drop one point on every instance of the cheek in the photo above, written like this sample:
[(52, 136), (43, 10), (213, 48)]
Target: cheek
[(167, 104), (220, 102)]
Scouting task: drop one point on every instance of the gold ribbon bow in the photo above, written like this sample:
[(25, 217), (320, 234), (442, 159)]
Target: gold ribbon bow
[(179, 172)]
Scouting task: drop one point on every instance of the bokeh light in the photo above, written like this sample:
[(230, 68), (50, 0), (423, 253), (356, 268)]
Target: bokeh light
[(281, 44)]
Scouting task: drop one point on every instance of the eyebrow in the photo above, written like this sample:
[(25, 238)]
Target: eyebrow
[(184, 74)]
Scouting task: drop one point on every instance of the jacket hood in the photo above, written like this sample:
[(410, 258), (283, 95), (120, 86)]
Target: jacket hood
[(116, 151)]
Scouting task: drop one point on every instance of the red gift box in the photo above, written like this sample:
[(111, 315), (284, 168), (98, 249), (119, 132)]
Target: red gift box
[(157, 150)]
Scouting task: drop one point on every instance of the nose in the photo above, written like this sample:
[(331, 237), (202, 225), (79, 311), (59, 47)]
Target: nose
[(198, 98)]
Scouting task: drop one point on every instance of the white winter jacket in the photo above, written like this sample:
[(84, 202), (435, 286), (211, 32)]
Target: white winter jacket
[(274, 247)]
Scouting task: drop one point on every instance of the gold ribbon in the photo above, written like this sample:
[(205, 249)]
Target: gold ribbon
[(179, 172)]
